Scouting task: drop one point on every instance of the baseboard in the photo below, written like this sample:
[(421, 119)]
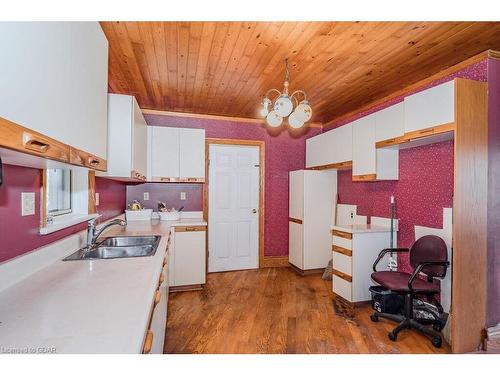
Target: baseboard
[(306, 272), (185, 288), (274, 261)]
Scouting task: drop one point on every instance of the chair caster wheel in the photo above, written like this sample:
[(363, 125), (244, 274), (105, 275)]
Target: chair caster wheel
[(437, 342), (374, 318), (437, 327), (392, 336)]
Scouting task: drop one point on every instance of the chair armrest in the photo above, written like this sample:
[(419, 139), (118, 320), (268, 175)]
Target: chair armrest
[(419, 268), (389, 250)]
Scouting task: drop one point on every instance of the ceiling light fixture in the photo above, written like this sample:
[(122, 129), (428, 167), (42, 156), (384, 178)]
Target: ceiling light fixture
[(283, 106)]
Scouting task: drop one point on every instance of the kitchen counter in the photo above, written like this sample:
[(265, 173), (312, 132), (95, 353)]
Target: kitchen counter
[(86, 306), (361, 228)]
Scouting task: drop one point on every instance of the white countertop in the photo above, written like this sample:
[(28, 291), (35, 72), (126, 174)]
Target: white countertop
[(361, 228), (87, 306)]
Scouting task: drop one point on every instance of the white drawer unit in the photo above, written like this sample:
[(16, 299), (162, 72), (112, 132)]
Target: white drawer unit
[(353, 253)]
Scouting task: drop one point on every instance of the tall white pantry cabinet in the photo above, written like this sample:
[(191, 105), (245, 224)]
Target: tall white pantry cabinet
[(312, 196)]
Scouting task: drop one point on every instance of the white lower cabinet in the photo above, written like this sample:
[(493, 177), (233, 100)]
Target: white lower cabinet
[(353, 257), (187, 263)]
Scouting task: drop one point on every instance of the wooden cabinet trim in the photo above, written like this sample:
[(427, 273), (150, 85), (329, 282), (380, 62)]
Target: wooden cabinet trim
[(157, 297), (191, 229), (148, 342), (137, 175), (85, 159), (417, 134), (342, 275), (293, 220), (365, 177), (339, 233), (341, 165), (342, 250)]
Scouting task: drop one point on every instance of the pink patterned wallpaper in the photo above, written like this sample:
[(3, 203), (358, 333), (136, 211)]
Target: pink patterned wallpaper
[(19, 234), (425, 184), (285, 152)]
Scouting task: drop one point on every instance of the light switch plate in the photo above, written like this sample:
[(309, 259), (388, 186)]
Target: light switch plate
[(97, 199), (146, 196), (27, 204), (183, 195)]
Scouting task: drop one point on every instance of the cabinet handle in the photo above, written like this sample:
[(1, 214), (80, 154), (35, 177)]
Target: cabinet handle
[(93, 162), (165, 179), (157, 297), (148, 342), (33, 143), (165, 260), (162, 278), (426, 131)]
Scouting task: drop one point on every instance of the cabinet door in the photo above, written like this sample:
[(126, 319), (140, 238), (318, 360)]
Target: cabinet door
[(295, 244), (390, 122), (190, 259), (164, 152), (363, 154), (159, 320), (431, 107), (316, 151), (342, 144), (139, 141), (192, 153), (296, 195)]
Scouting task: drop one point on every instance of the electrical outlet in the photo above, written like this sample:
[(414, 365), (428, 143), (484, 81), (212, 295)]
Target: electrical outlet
[(183, 195), (146, 196), (27, 204), (97, 199), (352, 215)]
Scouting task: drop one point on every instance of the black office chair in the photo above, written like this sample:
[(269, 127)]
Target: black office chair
[(428, 256)]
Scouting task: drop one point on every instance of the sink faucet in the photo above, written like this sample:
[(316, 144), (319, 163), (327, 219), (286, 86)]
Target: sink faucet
[(92, 235)]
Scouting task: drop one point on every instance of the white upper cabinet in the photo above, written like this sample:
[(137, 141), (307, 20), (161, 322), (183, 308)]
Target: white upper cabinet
[(390, 122), (431, 107), (364, 153), (331, 147), (192, 154), (164, 153), (127, 134), (54, 81), (177, 154)]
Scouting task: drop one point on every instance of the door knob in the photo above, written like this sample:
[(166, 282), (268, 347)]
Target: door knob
[(254, 211)]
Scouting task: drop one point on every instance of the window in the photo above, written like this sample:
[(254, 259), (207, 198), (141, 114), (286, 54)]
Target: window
[(59, 192)]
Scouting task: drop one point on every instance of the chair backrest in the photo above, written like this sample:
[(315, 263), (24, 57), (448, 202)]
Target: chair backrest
[(429, 249)]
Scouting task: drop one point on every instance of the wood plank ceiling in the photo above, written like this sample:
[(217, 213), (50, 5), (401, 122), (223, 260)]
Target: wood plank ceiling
[(224, 68)]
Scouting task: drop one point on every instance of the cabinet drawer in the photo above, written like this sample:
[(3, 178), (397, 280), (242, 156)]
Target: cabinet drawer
[(342, 242), (342, 262), (342, 287)]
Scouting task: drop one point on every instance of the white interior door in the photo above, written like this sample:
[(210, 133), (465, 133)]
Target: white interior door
[(233, 208)]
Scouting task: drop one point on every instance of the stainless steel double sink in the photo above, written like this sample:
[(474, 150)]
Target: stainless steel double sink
[(118, 247)]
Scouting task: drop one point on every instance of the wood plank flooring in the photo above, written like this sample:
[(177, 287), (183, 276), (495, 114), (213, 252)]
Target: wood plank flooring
[(274, 310)]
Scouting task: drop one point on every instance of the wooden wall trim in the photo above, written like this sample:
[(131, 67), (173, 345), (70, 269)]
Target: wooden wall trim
[(468, 310), (43, 198), (200, 116), (274, 261), (92, 201), (443, 73), (262, 176)]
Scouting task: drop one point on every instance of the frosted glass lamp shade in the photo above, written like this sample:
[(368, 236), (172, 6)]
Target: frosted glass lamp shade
[(294, 121), (304, 111), (283, 106), (273, 119)]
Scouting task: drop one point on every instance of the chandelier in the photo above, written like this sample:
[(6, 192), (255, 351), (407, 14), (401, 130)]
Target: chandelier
[(283, 106)]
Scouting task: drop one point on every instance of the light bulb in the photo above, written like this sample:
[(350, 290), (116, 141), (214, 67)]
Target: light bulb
[(294, 121), (273, 119), (283, 105), (265, 107), (304, 111)]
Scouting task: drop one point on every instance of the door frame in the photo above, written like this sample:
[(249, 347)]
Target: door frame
[(262, 175)]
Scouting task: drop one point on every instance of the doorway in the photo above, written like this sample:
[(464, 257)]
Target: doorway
[(235, 201)]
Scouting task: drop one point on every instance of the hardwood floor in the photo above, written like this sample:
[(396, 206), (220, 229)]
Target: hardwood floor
[(274, 310)]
